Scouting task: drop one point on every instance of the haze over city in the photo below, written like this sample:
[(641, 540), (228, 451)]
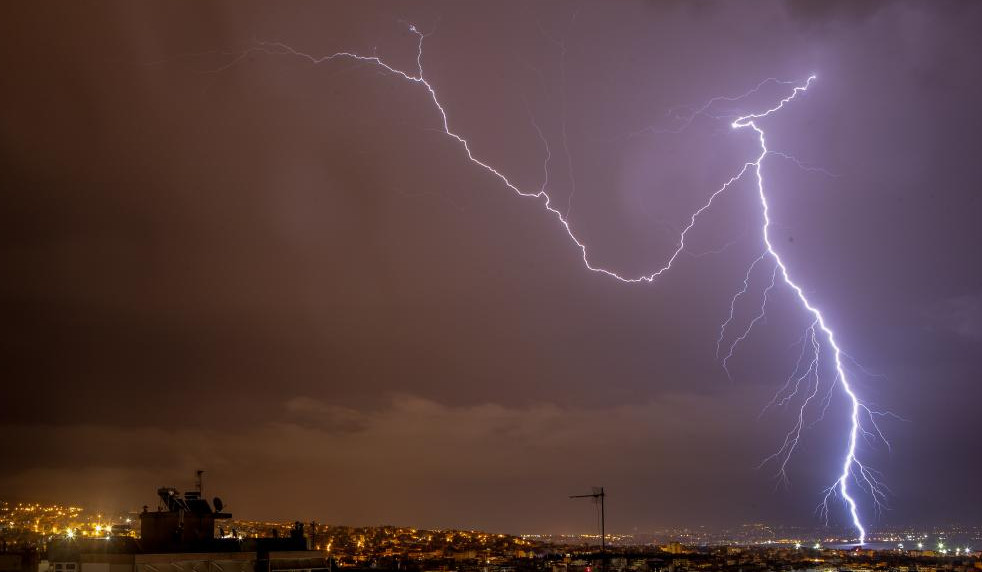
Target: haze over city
[(228, 251)]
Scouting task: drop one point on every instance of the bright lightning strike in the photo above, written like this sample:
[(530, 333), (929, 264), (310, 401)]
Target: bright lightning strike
[(852, 468), (804, 383)]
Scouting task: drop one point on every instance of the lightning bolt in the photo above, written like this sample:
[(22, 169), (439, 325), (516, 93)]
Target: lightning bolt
[(801, 383), (852, 468)]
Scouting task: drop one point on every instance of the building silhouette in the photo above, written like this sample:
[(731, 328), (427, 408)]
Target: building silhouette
[(180, 536)]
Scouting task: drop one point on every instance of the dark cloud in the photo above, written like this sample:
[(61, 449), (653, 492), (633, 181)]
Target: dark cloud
[(959, 315), (817, 12), (392, 462)]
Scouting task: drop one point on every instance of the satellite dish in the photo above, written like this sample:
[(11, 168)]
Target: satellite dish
[(219, 505)]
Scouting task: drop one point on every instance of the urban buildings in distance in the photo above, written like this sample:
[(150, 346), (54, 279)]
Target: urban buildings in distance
[(188, 533)]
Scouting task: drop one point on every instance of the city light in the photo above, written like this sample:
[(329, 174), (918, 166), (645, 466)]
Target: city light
[(357, 546)]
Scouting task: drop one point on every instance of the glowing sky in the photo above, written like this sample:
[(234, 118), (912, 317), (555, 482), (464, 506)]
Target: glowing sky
[(288, 275)]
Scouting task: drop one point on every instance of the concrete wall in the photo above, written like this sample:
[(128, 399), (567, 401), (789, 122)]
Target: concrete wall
[(203, 562), (10, 562)]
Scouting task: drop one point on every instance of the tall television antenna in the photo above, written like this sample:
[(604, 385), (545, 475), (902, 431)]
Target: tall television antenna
[(598, 495)]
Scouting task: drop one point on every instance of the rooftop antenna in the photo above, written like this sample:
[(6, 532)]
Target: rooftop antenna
[(598, 495)]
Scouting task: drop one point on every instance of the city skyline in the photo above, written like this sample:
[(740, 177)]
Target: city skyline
[(253, 239), (47, 522)]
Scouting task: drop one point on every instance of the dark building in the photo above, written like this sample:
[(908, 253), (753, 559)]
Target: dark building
[(181, 523), (25, 560), (180, 537)]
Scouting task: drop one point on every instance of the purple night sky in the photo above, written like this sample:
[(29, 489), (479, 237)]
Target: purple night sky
[(288, 275)]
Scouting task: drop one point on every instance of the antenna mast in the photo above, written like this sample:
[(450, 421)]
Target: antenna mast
[(598, 494)]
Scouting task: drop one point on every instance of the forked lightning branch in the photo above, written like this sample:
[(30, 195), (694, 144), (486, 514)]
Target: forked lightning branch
[(806, 387)]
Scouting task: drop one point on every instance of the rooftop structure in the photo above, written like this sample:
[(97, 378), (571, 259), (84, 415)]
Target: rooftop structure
[(180, 536)]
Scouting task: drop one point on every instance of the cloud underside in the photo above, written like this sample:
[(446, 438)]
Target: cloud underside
[(383, 465)]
